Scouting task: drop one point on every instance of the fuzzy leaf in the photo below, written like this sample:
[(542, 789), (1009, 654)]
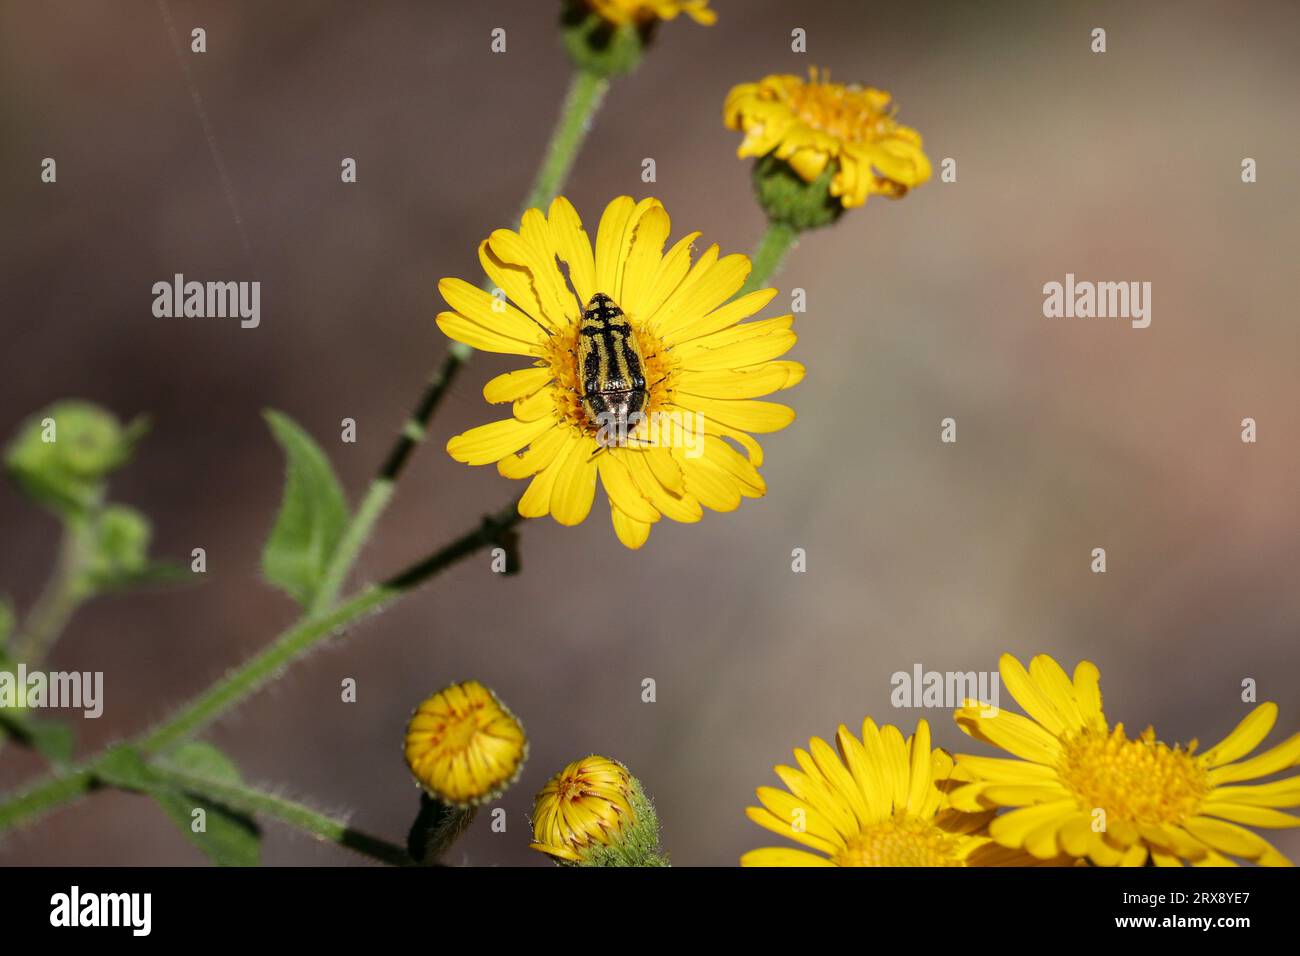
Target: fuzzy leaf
[(228, 838), (312, 515)]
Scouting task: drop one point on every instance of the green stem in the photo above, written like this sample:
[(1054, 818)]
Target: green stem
[(585, 94), (586, 91), (298, 640), (777, 241), (45, 796), (57, 603), (254, 802), (259, 670)]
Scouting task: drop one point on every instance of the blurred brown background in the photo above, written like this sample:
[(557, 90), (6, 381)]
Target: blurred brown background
[(1072, 434)]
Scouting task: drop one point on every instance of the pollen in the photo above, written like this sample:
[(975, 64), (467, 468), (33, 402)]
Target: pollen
[(1142, 780), (852, 114), (902, 841)]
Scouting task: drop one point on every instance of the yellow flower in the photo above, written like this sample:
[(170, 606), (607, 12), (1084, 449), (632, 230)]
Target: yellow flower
[(464, 746), (880, 802), (586, 804), (702, 368), (1086, 789), (620, 12), (816, 125)]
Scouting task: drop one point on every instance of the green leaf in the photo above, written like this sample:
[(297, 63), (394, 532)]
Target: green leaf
[(312, 515), (49, 738), (201, 759), (230, 839), (227, 838), (124, 768)]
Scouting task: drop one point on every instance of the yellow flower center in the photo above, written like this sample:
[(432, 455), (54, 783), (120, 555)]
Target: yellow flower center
[(851, 114), (562, 358), (1143, 780), (902, 841)]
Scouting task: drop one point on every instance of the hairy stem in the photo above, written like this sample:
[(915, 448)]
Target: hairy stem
[(62, 596), (586, 92), (297, 641), (777, 241), (40, 799), (260, 669), (255, 802)]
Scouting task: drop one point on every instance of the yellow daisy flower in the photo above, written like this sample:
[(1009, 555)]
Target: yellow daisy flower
[(817, 124), (672, 361), (621, 12), (879, 802), (588, 803), (1084, 788), (463, 745)]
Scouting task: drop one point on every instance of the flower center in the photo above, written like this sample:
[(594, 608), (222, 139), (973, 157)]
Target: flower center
[(562, 358), (851, 114), (1143, 780), (903, 841), (462, 727)]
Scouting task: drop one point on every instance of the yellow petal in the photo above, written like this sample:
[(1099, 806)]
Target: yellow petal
[(536, 500), (1087, 693), (515, 385), (1055, 685), (1251, 816), (540, 453), (631, 532), (745, 414), (715, 352), (780, 856), (622, 491), (1011, 732), (1245, 737), (728, 384), (1284, 755), (485, 338), (489, 443), (673, 269), (1012, 828), (573, 247), (683, 326), (781, 814), (1227, 837), (649, 234), (713, 487), (575, 486), (1279, 793), (1030, 696)]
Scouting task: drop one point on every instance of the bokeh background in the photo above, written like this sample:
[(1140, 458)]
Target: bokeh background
[(1071, 434)]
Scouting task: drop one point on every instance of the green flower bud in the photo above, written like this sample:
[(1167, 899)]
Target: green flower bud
[(600, 47), (119, 551), (786, 198), (61, 456)]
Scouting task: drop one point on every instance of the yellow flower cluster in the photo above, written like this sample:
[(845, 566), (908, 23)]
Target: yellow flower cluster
[(1074, 790)]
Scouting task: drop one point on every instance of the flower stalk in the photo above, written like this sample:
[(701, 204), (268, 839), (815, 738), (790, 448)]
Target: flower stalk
[(259, 670), (254, 802), (584, 97)]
